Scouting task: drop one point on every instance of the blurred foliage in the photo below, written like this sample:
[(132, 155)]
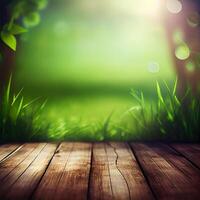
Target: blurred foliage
[(25, 12)]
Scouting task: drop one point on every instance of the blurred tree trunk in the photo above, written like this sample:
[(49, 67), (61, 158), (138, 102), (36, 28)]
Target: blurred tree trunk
[(8, 55), (6, 65), (191, 35)]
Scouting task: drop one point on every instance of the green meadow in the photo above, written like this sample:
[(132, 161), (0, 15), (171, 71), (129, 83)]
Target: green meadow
[(85, 61)]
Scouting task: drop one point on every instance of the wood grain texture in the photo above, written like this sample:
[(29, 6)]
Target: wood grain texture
[(24, 186), (103, 171), (48, 185), (15, 159), (68, 174), (170, 175), (115, 174), (190, 151), (7, 182), (7, 149)]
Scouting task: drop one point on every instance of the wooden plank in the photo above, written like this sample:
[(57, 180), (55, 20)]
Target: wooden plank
[(68, 174), (115, 174), (51, 178), (73, 183), (28, 181), (15, 159), (190, 151), (170, 175), (7, 182), (196, 146), (7, 149)]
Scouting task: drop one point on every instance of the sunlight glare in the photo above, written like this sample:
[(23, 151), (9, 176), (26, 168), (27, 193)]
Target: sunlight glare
[(150, 8)]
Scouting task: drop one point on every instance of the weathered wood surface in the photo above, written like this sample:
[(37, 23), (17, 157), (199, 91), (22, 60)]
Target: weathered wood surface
[(7, 149), (190, 151), (68, 174), (23, 187), (115, 174), (102, 171), (170, 175)]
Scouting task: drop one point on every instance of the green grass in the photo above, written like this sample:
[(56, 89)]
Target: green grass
[(19, 120), (59, 119), (170, 118), (166, 117), (86, 118)]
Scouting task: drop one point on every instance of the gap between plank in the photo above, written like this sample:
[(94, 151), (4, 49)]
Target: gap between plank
[(18, 163), (186, 157), (12, 152), (27, 166), (90, 172), (32, 193), (65, 165), (143, 172)]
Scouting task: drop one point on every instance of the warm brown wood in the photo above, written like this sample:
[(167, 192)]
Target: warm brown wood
[(15, 159), (7, 182), (48, 185), (190, 151), (68, 174), (28, 181), (7, 149), (170, 175), (102, 171), (115, 174)]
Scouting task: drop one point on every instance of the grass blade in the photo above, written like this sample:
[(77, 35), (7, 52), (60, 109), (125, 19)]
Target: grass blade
[(8, 90), (31, 102), (16, 97), (19, 109), (160, 97), (175, 86)]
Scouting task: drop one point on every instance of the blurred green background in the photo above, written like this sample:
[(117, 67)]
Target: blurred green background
[(85, 56)]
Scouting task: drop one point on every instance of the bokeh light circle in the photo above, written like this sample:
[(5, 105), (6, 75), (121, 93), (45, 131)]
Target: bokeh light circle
[(153, 67), (194, 19), (178, 36), (182, 52), (190, 66), (174, 6)]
